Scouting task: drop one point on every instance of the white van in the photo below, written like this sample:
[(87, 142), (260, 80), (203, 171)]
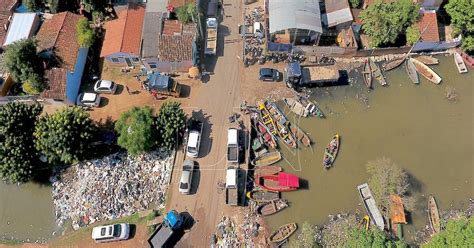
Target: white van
[(111, 233)]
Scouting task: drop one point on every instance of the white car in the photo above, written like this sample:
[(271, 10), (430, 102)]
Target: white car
[(111, 233), (88, 100), (105, 86), (186, 177), (194, 139)]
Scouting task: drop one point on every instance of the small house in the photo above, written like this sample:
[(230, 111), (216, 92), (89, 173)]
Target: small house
[(428, 26), (338, 14), (122, 40), (22, 26)]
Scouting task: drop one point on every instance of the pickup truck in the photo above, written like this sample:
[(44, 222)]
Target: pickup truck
[(161, 236), (233, 147), (159, 84), (194, 139), (211, 36), (232, 186)]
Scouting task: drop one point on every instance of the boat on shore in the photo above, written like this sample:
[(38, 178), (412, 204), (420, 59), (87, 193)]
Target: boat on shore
[(281, 122), (433, 215), (311, 106), (263, 195), (411, 71), (268, 138), (300, 135), (272, 207), (426, 72), (460, 63), (267, 159), (427, 60), (282, 233), (377, 73), (331, 151), (390, 65), (367, 74), (281, 183), (267, 170), (296, 107), (370, 205), (267, 120)]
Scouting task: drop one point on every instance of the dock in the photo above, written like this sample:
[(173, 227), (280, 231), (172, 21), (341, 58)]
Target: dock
[(370, 205)]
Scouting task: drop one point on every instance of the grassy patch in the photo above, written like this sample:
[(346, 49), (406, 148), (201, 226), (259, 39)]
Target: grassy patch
[(10, 242)]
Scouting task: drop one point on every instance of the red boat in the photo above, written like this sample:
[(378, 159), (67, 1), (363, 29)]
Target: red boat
[(468, 60), (281, 182), (267, 136)]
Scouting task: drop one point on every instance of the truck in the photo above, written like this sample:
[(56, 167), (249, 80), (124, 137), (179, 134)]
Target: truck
[(194, 138), (296, 75), (162, 235), (211, 36), (232, 186), (159, 84), (233, 146)]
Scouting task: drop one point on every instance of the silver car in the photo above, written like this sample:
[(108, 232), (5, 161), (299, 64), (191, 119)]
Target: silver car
[(186, 177), (111, 233), (105, 86), (88, 100)]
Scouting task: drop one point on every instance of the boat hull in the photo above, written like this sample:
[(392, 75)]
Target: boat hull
[(392, 64), (331, 151), (367, 74), (267, 159), (460, 63), (411, 71), (282, 233), (370, 205), (433, 215), (426, 72)]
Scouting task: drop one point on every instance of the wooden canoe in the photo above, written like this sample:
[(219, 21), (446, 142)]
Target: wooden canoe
[(296, 107), (283, 233), (433, 215), (426, 72), (427, 60), (331, 151), (267, 136), (460, 63), (377, 73), (267, 170), (267, 159), (263, 196), (367, 74), (411, 71), (281, 123), (311, 106), (300, 135), (390, 65), (272, 207)]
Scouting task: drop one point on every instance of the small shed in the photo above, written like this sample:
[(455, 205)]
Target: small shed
[(338, 13), (22, 26)]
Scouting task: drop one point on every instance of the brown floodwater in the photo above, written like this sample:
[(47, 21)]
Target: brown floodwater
[(413, 125)]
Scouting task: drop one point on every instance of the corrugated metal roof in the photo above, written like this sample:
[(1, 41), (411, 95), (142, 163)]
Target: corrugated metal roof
[(156, 6), (300, 14), (339, 16), (151, 31), (20, 27)]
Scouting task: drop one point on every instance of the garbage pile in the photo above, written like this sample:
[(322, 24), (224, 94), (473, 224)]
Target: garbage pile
[(226, 234), (115, 186)]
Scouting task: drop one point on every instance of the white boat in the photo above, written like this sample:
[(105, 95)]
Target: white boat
[(460, 63), (411, 71), (370, 205), (426, 72)]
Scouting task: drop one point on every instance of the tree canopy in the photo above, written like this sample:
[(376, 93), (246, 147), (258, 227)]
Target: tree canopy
[(458, 233), (85, 34), (186, 13), (413, 34), (171, 119), (137, 133), (462, 16), (65, 135), (383, 22), (25, 66), (18, 156), (370, 238)]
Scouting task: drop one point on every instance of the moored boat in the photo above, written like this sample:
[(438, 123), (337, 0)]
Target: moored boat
[(460, 63), (282, 182), (411, 71), (331, 151), (283, 232), (311, 107), (300, 135), (367, 74), (266, 119), (468, 60), (267, 159), (281, 122), (268, 138), (263, 195), (377, 73), (427, 60), (272, 207), (433, 215), (390, 65), (370, 205), (267, 170), (426, 72), (296, 107)]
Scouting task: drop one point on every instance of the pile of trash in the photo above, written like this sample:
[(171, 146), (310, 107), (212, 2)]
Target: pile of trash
[(115, 186), (336, 232), (226, 234)]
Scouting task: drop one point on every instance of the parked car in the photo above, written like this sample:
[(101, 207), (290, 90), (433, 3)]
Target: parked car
[(194, 139), (105, 86), (88, 100), (111, 233), (269, 74), (186, 177)]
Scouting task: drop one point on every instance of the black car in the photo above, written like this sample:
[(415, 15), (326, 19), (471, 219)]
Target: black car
[(269, 74)]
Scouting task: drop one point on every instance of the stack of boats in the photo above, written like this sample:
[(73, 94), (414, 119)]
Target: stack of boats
[(372, 71), (420, 65)]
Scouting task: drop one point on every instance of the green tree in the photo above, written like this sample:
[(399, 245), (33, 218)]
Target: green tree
[(24, 64), (171, 119), (136, 130), (373, 237), (18, 156), (186, 13), (306, 239), (462, 16), (383, 22), (355, 3), (85, 34), (33, 5), (65, 135), (458, 233), (386, 178), (413, 34)]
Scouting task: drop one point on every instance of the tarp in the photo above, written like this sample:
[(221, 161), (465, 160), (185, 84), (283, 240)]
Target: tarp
[(289, 180), (157, 81)]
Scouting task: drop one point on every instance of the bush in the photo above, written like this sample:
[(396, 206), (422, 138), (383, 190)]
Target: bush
[(85, 34), (171, 119), (458, 233), (136, 130), (355, 3), (371, 238), (186, 13), (413, 34)]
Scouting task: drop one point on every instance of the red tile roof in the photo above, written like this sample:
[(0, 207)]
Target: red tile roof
[(175, 48), (8, 5), (428, 26), (171, 27), (3, 23), (124, 33), (56, 78)]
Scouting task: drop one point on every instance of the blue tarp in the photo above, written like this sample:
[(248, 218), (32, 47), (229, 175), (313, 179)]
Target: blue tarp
[(157, 81)]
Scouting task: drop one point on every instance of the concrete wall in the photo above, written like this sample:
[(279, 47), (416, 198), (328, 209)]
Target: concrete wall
[(119, 59), (169, 67)]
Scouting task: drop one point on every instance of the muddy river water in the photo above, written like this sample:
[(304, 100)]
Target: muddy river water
[(413, 125)]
